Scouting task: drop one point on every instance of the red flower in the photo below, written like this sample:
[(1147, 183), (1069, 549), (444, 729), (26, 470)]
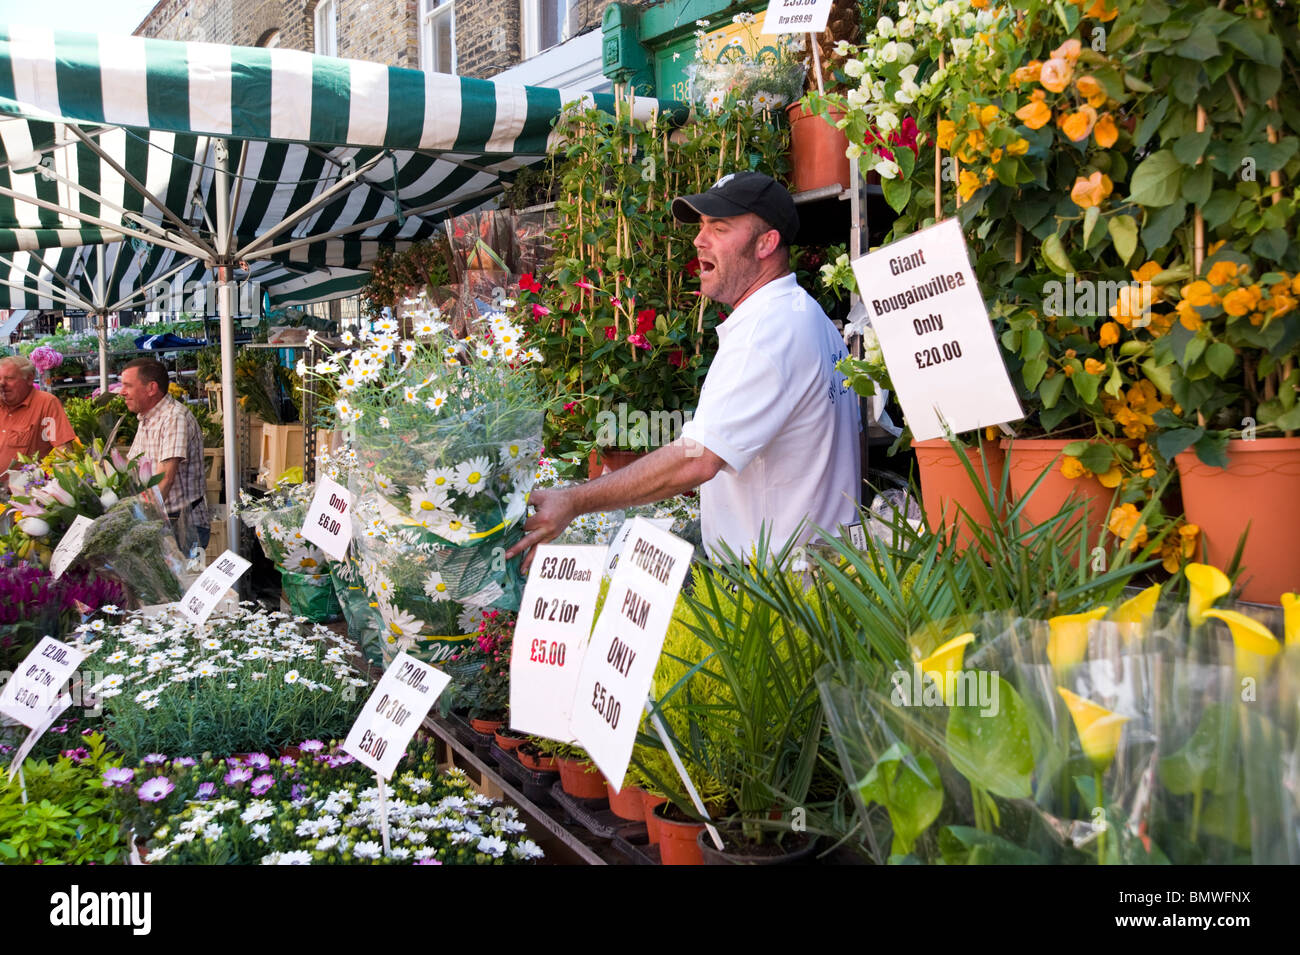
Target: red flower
[(529, 284), (610, 332), (568, 408), (645, 320), (540, 310), (675, 357), (584, 284), (693, 267)]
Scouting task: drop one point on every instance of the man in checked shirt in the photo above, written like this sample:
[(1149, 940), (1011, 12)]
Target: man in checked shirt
[(171, 439)]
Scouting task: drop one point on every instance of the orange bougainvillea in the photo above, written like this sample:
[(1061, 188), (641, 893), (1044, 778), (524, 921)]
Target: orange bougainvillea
[(1106, 132), (1077, 126), (1091, 90), (1056, 74), (1036, 113), (1199, 294), (1108, 334), (1125, 522), (1091, 191)]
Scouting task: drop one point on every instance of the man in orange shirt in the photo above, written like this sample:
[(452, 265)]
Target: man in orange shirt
[(31, 422)]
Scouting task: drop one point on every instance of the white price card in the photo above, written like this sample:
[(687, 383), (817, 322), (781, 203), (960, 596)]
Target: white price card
[(935, 334), (620, 538), (619, 665), (61, 704), (328, 524), (796, 16), (551, 634), (33, 691), (69, 546), (394, 712), (206, 592)]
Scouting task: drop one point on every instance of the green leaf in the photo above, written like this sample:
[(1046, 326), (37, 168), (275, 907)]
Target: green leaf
[(1086, 386), (1054, 254), (908, 786), (1194, 767), (965, 845), (1219, 358), (1050, 391), (1213, 450), (1271, 244), (1289, 421), (1161, 223), (1219, 208), (1191, 147), (1150, 122), (1198, 183), (993, 750), (1097, 458), (1090, 218), (897, 192), (1201, 44), (1251, 37), (1124, 233), (1033, 372), (1157, 180), (1115, 385), (1175, 441)]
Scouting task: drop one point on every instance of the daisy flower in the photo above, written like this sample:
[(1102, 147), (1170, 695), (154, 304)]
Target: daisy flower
[(429, 327), (438, 400), (471, 475), (436, 588), (407, 349), (485, 352), (439, 478), (155, 790), (452, 528), (347, 337), (291, 677), (428, 501), (400, 627), (410, 395)]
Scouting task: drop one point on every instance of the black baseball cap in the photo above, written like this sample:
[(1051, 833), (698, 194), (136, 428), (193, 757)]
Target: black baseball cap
[(737, 193)]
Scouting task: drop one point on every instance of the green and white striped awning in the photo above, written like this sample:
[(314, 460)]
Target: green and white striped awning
[(115, 140)]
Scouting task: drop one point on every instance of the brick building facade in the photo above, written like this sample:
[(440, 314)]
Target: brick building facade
[(489, 34)]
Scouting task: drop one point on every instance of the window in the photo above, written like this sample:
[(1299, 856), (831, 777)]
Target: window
[(327, 38), (270, 40), (438, 36), (547, 23)]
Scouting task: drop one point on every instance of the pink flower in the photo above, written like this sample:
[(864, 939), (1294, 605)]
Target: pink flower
[(568, 408), (584, 284), (611, 333), (638, 341), (540, 310)]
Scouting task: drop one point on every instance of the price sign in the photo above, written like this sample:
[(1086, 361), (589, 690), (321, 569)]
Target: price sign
[(32, 692), (857, 536), (935, 333), (70, 546), (327, 524), (620, 538), (61, 704), (620, 661), (393, 713), (796, 16), (551, 633), (206, 592)]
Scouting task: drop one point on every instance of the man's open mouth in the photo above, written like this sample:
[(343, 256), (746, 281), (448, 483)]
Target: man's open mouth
[(706, 267)]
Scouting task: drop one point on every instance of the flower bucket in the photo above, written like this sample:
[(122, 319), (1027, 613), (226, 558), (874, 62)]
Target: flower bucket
[(311, 596), (818, 150), (648, 804), (1260, 487), (579, 783)]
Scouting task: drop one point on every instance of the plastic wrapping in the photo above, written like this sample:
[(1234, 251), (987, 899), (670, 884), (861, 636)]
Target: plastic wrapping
[(277, 520), (133, 543), (311, 596), (1084, 739)]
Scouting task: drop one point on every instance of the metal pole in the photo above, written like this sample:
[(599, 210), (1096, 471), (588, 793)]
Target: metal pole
[(221, 185), (101, 316)]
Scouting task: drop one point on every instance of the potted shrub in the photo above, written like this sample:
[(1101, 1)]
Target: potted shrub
[(579, 776), (538, 755)]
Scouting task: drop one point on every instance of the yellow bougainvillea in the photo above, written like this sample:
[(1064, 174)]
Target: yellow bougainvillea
[(1126, 524)]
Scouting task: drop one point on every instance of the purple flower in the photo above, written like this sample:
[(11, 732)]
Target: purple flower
[(154, 759), (206, 791), (118, 776), (427, 862), (258, 761), (76, 755), (339, 759), (298, 793), (155, 790), (238, 775), (311, 746), (261, 784), (287, 761), (185, 761)]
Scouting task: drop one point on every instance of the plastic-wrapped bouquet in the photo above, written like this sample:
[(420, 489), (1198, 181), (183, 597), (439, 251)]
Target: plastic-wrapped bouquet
[(44, 358), (736, 73), (277, 518), (446, 434), (133, 542)]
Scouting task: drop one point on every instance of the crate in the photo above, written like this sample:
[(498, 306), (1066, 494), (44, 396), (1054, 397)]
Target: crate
[(281, 449), (219, 541), (214, 467)]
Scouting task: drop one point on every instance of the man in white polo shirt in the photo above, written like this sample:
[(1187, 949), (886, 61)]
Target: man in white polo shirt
[(774, 441)]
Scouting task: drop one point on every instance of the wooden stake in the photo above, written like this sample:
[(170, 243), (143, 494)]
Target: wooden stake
[(938, 171), (817, 64)]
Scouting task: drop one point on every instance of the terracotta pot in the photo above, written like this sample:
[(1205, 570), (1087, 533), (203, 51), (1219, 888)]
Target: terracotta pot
[(627, 803), (604, 460), (509, 743), (648, 804), (538, 764), (677, 840), (577, 782), (1031, 457), (946, 487), (817, 150), (797, 849), (1260, 487), (486, 727)]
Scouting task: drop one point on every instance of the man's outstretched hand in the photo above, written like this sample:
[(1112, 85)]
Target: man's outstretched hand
[(553, 514)]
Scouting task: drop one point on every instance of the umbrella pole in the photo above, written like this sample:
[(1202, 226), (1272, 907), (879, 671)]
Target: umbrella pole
[(221, 183), (101, 320)]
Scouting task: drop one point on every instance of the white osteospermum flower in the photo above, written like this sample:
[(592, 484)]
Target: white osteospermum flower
[(410, 395), (472, 475), (485, 352), (452, 528), (400, 627), (426, 502)]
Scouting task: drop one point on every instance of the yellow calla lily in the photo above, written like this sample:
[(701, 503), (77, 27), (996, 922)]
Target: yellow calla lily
[(1138, 610), (1068, 642), (1255, 646), (1291, 619), (1208, 585), (945, 660), (1099, 729)]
